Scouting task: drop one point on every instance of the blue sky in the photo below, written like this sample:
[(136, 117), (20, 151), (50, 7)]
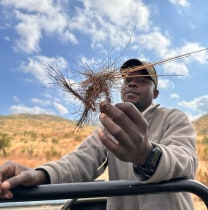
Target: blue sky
[(71, 33)]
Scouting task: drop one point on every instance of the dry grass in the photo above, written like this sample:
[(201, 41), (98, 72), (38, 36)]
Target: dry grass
[(37, 139)]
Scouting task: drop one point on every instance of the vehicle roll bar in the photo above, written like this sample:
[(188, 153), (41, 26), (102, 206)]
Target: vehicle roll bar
[(106, 189)]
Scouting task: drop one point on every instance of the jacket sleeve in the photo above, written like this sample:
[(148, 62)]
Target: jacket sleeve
[(178, 144), (80, 165)]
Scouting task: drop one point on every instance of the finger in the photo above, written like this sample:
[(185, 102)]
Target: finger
[(126, 125), (111, 144), (107, 139), (116, 114), (114, 130), (15, 181), (139, 122), (9, 169), (6, 194), (5, 186), (5, 172), (131, 111)]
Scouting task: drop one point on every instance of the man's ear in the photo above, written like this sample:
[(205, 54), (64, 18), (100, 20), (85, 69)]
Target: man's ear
[(156, 93)]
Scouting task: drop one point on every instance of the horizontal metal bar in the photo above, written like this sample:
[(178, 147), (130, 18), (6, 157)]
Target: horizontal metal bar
[(25, 203), (106, 189)]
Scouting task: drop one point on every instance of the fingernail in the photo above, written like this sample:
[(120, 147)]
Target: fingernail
[(102, 116)]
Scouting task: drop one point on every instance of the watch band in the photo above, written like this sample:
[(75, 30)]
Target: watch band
[(151, 164)]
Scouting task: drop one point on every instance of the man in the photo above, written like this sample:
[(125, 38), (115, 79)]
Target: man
[(138, 140)]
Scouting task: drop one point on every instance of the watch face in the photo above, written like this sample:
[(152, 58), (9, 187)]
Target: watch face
[(153, 159), (151, 164)]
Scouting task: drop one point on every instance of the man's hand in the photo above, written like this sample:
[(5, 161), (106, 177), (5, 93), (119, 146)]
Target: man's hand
[(125, 124), (13, 174)]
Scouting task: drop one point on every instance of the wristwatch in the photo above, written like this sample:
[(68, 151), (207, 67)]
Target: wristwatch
[(151, 164)]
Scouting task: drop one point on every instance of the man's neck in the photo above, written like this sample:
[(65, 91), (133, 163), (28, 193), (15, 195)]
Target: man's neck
[(147, 108)]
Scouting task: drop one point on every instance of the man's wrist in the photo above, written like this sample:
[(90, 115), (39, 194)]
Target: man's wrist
[(43, 176), (149, 168)]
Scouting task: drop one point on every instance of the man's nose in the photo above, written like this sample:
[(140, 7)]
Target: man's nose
[(132, 83)]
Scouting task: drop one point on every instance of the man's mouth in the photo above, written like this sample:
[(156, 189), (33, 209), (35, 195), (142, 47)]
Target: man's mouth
[(130, 93)]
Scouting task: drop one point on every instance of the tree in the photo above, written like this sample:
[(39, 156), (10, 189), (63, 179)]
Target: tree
[(4, 142)]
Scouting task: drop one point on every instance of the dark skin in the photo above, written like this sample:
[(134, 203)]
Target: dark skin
[(123, 121)]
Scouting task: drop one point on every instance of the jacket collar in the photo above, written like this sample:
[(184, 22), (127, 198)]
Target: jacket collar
[(150, 108)]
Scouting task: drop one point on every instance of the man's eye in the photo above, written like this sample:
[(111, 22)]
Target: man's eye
[(139, 80), (127, 80), (142, 81)]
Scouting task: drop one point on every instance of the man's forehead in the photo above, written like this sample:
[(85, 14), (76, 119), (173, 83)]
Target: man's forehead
[(140, 72)]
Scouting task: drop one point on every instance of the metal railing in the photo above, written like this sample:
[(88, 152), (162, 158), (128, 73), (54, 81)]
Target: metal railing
[(106, 189)]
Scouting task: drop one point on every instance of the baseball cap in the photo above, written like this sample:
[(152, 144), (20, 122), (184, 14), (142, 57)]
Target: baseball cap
[(131, 63)]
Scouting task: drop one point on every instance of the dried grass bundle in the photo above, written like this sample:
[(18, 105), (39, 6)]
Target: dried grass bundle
[(92, 89), (97, 85)]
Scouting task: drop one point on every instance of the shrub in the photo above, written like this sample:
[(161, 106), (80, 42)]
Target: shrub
[(4, 142)]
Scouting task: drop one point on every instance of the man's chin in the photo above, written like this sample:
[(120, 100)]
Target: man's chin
[(133, 101)]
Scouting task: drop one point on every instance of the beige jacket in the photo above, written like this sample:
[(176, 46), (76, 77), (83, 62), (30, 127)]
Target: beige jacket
[(171, 129)]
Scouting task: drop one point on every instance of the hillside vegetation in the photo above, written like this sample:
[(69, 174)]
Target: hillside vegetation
[(35, 139), (201, 125)]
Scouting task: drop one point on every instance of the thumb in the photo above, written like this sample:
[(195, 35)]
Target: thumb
[(5, 190), (13, 182), (6, 185)]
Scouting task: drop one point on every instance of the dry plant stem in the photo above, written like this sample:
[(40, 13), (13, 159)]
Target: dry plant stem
[(149, 75), (62, 82), (137, 68)]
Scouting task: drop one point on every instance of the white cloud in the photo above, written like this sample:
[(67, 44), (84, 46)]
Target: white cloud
[(47, 95), (60, 108), (70, 99), (101, 21), (37, 66), (15, 98), (18, 109), (117, 10), (200, 57), (35, 18), (161, 44), (30, 33), (111, 22), (29, 5), (199, 105), (174, 95), (183, 3), (41, 102), (165, 83), (174, 61), (176, 68), (187, 53), (155, 41)]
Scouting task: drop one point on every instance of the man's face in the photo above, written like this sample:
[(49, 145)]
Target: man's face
[(139, 90)]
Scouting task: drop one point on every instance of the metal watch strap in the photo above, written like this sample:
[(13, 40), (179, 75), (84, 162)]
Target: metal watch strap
[(151, 164)]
